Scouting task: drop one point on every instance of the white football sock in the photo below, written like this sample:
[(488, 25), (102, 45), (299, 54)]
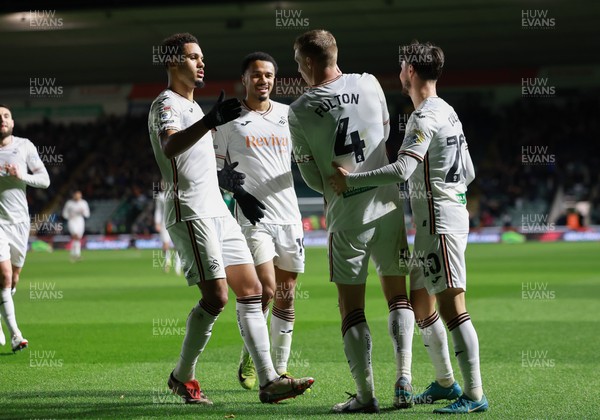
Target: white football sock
[(198, 330), (466, 349), (76, 247), (253, 328), (435, 340), (266, 314), (357, 346), (401, 327), (7, 310), (282, 327)]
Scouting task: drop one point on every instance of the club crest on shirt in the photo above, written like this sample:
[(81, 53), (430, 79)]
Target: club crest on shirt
[(415, 136)]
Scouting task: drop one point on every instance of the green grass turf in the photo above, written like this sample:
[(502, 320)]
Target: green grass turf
[(94, 351)]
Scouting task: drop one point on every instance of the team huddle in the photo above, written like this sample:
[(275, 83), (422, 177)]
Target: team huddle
[(337, 129)]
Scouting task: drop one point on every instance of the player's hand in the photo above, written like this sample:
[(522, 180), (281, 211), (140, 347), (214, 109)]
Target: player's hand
[(230, 179), (337, 181), (251, 207), (12, 170), (222, 112)]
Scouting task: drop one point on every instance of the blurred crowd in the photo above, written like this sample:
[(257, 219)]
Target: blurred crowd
[(524, 153)]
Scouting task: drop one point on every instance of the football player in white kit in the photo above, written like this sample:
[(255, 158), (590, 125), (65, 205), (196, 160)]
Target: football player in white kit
[(343, 118), (76, 210), (165, 239), (259, 141), (435, 160), (209, 240), (17, 157)]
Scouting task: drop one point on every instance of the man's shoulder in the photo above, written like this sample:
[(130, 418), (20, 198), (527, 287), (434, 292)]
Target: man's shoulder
[(165, 97), (279, 106), (22, 142)]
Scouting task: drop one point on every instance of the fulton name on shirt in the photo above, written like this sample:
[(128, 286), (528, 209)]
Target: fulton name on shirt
[(331, 103)]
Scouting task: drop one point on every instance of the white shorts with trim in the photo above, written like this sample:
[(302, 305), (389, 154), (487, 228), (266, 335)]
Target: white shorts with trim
[(383, 240), (284, 244), (208, 246), (76, 227), (13, 243), (438, 262)]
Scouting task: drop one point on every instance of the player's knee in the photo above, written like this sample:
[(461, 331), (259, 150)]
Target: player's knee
[(267, 295), (7, 279), (218, 300)]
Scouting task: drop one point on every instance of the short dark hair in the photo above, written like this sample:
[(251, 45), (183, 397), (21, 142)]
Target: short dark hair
[(172, 47), (427, 59), (5, 106), (258, 55), (318, 44)]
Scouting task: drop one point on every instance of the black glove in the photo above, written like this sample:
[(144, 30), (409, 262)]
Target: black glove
[(250, 206), (230, 179), (222, 112)]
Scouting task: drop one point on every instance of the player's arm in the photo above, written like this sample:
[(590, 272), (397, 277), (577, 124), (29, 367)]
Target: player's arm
[(38, 178), (385, 114), (469, 168), (175, 142), (413, 149), (86, 209), (303, 155), (65, 212)]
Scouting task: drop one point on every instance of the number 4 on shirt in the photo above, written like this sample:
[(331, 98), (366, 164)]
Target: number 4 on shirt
[(357, 145)]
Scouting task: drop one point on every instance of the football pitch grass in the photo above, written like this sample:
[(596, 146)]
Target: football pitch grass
[(105, 333)]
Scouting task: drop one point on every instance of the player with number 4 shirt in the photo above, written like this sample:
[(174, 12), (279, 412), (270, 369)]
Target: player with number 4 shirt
[(343, 118)]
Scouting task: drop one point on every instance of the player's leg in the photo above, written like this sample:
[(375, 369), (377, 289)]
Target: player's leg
[(243, 280), (7, 307), (177, 262), (246, 368), (262, 250), (165, 240), (283, 318), (13, 245), (2, 336), (76, 231), (435, 340), (432, 329), (348, 261), (198, 244), (289, 262), (451, 301), (388, 249)]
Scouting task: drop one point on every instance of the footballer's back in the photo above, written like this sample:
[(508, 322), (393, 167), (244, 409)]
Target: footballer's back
[(342, 122)]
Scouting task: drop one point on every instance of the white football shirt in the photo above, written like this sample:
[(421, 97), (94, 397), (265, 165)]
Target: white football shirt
[(343, 121), (260, 142), (76, 210), (434, 137), (192, 187), (13, 201)]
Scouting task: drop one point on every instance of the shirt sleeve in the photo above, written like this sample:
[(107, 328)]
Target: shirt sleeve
[(65, 212), (418, 137), (470, 169), (167, 115), (39, 177), (385, 114), (398, 171), (86, 209), (303, 154)]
